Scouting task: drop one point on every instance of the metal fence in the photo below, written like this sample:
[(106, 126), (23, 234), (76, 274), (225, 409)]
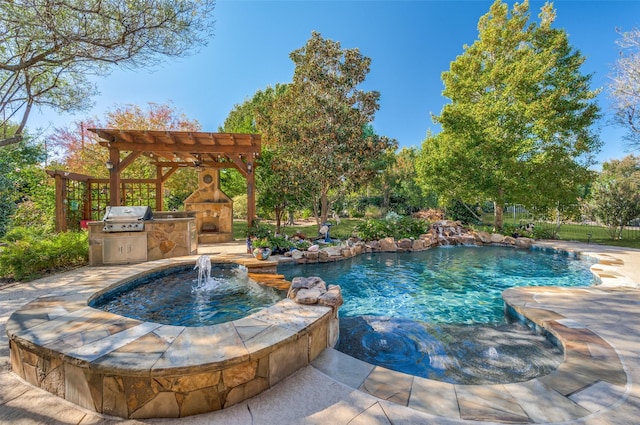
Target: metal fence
[(518, 215)]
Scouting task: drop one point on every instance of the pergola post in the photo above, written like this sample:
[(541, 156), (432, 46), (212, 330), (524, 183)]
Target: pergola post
[(159, 188), (251, 198), (61, 207), (114, 177)]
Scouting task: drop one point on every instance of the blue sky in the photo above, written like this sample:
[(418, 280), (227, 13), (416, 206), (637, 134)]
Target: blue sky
[(409, 42)]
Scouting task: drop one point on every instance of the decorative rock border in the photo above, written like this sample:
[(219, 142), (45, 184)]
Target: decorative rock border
[(132, 369), (441, 233)]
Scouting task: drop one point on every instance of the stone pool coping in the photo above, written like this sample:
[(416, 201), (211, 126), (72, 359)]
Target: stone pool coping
[(133, 369), (592, 377)]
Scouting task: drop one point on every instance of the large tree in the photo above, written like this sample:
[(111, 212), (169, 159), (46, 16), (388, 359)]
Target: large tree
[(518, 127), (276, 191), (321, 122), (625, 85), (49, 49)]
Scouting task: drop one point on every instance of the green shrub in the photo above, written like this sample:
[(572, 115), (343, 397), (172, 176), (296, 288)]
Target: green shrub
[(260, 230), (373, 211), (509, 229), (306, 213), (32, 254), (408, 227), (280, 245), (302, 245), (354, 212), (392, 216), (373, 229), (24, 233), (398, 228)]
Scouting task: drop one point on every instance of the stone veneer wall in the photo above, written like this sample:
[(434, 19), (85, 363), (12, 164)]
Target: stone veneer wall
[(214, 209), (131, 369), (166, 238), (175, 394)]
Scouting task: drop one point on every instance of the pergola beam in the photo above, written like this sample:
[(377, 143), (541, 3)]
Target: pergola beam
[(184, 148), (180, 149)]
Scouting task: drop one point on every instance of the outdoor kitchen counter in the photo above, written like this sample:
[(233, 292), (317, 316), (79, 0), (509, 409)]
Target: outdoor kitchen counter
[(163, 237)]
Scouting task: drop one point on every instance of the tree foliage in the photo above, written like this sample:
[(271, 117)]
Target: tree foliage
[(396, 182), (81, 153), (48, 50), (23, 181), (615, 196), (518, 127), (243, 119), (277, 192), (625, 85), (320, 123)]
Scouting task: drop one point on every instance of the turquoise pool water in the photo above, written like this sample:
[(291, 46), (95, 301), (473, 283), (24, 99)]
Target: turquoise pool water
[(446, 285), (439, 313)]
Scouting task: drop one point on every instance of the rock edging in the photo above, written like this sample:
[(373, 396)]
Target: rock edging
[(441, 233)]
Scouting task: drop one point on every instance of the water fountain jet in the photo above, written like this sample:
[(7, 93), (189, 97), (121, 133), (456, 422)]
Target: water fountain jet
[(203, 264)]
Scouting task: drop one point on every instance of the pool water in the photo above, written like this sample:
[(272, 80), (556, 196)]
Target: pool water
[(458, 354), (461, 284), (172, 297), (439, 313)]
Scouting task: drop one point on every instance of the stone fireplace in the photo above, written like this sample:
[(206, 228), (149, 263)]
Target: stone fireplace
[(214, 209)]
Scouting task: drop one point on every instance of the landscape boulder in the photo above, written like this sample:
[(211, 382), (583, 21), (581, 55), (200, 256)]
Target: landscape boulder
[(313, 290), (388, 245)]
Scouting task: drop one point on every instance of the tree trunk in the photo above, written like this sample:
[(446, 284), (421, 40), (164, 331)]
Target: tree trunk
[(278, 214), (498, 215), (316, 213), (386, 199), (324, 207)]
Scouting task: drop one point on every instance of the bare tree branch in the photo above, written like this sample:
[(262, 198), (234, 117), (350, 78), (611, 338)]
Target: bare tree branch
[(625, 85), (49, 48)]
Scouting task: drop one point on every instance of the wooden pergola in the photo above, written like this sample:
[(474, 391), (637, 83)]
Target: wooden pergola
[(171, 150)]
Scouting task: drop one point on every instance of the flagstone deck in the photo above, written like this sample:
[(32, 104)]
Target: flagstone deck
[(597, 384)]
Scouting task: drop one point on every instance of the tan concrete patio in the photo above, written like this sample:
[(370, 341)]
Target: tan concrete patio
[(599, 382)]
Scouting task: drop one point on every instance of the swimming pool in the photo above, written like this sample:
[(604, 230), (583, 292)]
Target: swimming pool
[(454, 285), (439, 313)]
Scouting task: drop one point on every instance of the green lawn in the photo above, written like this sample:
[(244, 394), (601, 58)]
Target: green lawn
[(308, 227), (576, 232)]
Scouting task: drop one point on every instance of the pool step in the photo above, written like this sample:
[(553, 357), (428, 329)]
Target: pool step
[(272, 280)]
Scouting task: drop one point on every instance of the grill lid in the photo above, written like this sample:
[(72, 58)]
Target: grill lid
[(134, 213)]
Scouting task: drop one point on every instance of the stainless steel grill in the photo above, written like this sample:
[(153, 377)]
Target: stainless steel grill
[(126, 219)]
